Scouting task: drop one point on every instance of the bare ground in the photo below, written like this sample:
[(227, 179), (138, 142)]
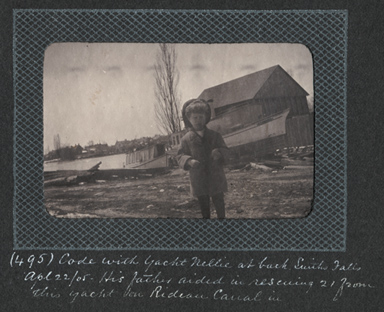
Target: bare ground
[(252, 194)]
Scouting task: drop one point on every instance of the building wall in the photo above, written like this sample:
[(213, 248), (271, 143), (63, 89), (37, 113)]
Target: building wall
[(300, 131), (297, 105)]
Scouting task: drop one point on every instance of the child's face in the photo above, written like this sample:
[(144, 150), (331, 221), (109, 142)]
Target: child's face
[(198, 121)]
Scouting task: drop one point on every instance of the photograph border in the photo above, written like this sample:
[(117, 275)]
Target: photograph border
[(324, 32)]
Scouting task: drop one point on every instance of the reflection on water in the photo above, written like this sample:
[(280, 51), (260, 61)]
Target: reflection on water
[(107, 162)]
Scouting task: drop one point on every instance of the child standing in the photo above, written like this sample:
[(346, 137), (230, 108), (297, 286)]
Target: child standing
[(202, 152)]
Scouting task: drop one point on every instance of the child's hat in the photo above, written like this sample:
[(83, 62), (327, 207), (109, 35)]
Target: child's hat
[(186, 104)]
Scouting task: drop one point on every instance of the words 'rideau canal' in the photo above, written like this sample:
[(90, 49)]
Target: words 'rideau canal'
[(133, 277)]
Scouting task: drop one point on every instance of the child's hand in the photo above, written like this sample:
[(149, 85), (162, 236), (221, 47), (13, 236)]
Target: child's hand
[(193, 163), (216, 155)]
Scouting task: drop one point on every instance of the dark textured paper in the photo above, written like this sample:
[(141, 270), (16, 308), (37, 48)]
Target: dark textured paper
[(218, 273)]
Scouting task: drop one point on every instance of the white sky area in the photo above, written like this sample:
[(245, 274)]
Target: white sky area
[(103, 92)]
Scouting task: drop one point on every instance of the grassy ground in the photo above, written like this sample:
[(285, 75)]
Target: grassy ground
[(252, 194)]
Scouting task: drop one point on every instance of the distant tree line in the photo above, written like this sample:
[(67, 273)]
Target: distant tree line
[(65, 153)]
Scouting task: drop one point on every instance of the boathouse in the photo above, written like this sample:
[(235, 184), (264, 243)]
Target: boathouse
[(255, 97)]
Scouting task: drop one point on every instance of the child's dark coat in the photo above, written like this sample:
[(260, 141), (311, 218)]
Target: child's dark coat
[(209, 178)]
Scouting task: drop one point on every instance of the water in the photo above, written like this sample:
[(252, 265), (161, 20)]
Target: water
[(107, 162)]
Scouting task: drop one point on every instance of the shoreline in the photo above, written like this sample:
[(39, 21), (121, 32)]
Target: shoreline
[(253, 193)]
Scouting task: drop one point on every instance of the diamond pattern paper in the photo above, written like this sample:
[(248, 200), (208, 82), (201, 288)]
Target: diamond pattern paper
[(323, 32)]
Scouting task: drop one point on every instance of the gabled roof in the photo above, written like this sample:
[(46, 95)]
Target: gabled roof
[(243, 88)]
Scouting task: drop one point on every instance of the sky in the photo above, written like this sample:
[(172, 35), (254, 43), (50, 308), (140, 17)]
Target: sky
[(104, 92)]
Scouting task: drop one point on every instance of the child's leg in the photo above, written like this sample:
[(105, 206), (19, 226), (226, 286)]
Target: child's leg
[(218, 201), (204, 206)]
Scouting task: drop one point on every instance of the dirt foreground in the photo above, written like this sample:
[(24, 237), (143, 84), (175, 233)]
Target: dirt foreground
[(252, 194)]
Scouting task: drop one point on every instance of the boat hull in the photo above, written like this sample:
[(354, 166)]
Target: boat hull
[(260, 148), (159, 162), (274, 126)]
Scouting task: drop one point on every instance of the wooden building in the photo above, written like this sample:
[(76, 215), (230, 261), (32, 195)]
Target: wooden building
[(256, 96)]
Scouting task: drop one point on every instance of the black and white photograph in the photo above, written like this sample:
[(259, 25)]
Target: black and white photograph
[(120, 140)]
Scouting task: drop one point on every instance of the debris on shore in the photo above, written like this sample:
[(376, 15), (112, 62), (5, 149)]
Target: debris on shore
[(279, 187)]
